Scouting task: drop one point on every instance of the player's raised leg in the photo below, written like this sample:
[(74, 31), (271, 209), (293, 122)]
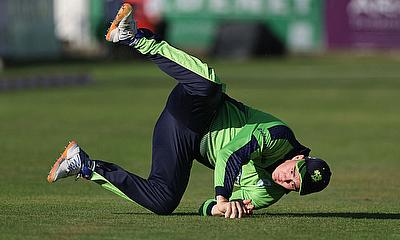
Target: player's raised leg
[(199, 92), (196, 76)]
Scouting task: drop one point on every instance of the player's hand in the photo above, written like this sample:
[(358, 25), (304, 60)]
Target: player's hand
[(236, 209), (248, 206), (232, 209)]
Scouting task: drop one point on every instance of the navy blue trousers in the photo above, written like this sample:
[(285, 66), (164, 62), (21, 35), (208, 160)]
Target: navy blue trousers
[(187, 115)]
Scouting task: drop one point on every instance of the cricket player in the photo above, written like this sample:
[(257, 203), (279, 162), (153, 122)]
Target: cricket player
[(248, 149)]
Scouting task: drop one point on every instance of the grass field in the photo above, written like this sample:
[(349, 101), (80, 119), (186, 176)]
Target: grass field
[(346, 109)]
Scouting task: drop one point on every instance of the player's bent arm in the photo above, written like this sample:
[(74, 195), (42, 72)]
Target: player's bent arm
[(243, 147)]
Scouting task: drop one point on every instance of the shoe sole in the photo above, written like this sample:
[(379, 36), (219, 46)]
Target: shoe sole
[(51, 176), (124, 11)]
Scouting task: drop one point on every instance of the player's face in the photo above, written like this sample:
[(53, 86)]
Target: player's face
[(286, 174)]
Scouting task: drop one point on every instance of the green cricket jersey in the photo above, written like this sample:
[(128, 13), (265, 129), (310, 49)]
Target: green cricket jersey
[(245, 145)]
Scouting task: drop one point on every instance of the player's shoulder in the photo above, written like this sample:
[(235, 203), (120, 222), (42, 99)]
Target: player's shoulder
[(280, 131), (265, 119)]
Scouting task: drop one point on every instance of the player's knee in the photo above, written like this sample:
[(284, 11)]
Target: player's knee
[(167, 199), (166, 209)]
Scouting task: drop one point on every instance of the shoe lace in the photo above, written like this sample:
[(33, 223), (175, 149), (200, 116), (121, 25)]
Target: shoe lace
[(73, 164), (127, 27)]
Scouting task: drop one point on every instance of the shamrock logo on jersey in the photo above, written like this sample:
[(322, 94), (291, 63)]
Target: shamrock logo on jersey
[(316, 177)]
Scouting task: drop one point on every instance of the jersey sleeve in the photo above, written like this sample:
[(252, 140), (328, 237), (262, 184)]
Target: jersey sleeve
[(243, 147), (257, 185), (260, 197), (206, 208)]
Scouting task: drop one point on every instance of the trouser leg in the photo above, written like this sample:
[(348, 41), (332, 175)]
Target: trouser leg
[(171, 164), (197, 77), (199, 93)]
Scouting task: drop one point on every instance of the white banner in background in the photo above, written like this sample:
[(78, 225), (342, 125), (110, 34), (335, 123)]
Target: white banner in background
[(72, 22)]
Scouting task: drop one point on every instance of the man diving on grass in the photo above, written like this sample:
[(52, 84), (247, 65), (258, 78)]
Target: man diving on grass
[(248, 149)]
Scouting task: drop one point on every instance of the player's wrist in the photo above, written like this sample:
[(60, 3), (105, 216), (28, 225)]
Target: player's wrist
[(206, 208), (221, 206), (215, 211), (221, 199)]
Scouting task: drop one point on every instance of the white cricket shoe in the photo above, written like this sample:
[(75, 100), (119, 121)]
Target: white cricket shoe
[(124, 26), (68, 164)]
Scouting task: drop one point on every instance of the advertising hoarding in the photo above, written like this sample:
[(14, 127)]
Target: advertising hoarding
[(363, 23), (298, 23)]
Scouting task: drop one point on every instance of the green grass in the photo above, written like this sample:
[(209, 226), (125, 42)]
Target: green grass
[(344, 108)]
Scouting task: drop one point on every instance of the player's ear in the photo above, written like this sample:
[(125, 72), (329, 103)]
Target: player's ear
[(298, 157)]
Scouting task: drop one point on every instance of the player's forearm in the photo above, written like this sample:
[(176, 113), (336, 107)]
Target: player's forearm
[(227, 168), (232, 157)]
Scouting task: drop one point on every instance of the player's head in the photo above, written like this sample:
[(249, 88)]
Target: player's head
[(303, 174), (314, 173)]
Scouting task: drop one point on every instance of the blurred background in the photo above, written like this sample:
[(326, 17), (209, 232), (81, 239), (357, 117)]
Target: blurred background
[(64, 29)]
